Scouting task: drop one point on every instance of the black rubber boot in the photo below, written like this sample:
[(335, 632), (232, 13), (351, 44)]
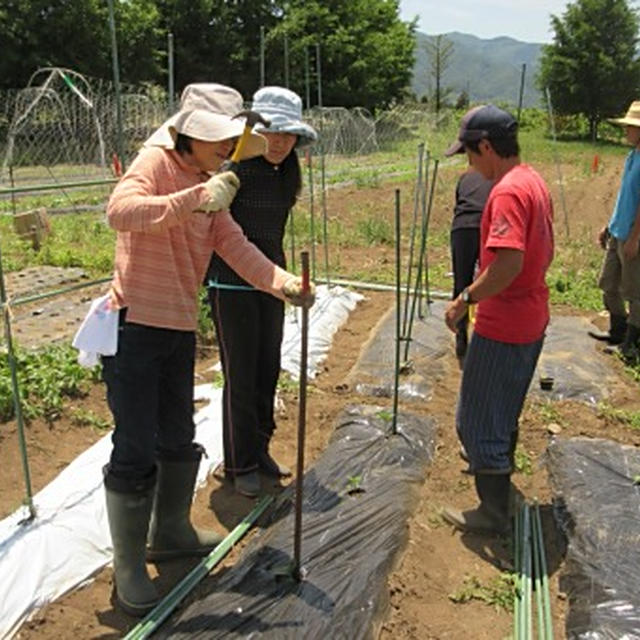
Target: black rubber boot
[(171, 534), (616, 333), (492, 516), (128, 515), (271, 467), (629, 350)]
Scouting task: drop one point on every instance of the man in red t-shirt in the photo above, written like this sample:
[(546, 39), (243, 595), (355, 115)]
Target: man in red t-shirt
[(516, 248)]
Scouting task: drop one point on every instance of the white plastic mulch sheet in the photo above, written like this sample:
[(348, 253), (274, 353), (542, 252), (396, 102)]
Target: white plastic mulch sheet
[(69, 539)]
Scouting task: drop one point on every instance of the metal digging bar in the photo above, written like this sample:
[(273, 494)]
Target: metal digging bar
[(302, 413), (166, 606), (13, 368)]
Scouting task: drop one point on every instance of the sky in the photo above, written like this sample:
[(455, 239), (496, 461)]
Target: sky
[(526, 20)]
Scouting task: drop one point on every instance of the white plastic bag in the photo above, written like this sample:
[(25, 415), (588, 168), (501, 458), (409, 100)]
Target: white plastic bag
[(98, 333)]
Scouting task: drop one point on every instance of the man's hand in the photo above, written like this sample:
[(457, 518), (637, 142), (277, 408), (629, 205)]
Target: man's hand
[(603, 236), (292, 291), (222, 189), (630, 248), (455, 311)]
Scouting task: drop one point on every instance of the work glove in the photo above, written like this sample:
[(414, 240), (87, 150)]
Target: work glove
[(292, 291), (222, 189)]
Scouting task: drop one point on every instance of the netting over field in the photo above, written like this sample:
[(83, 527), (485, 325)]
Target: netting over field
[(62, 127), (358, 132)]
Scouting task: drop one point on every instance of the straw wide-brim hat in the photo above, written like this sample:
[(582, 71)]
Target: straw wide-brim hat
[(283, 108), (197, 102), (632, 118)]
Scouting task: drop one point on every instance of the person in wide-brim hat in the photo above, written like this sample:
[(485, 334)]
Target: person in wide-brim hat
[(620, 238), (169, 214), (249, 323), (632, 117), (207, 98), (283, 109)]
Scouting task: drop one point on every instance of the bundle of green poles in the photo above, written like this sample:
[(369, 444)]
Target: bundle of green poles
[(532, 576)]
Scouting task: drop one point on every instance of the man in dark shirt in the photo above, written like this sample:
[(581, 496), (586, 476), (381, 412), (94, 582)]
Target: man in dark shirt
[(472, 192)]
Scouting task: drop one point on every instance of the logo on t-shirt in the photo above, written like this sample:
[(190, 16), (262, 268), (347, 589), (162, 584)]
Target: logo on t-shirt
[(500, 226)]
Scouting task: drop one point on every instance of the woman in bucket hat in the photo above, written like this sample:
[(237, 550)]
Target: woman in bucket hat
[(170, 213), (620, 272), (249, 324)]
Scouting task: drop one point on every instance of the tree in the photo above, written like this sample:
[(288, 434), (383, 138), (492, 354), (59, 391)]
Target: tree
[(592, 68), (366, 51), (218, 40), (75, 34), (440, 51)]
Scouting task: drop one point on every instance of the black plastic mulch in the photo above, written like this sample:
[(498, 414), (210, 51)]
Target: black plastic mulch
[(357, 500)]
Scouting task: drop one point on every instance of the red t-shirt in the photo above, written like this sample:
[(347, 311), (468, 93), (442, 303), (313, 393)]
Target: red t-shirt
[(517, 215)]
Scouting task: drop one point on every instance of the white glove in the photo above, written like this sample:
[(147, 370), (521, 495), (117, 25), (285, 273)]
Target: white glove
[(222, 190), (292, 291)]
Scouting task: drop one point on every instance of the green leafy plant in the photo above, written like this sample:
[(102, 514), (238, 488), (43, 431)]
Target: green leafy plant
[(84, 418), (45, 377), (548, 412), (523, 462), (354, 485), (499, 592)]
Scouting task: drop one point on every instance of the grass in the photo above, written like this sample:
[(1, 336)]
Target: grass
[(76, 240), (499, 592), (622, 416)]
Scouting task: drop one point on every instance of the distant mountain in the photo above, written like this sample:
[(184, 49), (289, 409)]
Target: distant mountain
[(488, 70)]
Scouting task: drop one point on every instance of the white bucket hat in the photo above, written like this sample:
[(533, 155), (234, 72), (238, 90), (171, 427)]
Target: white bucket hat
[(284, 109), (206, 112), (632, 117)]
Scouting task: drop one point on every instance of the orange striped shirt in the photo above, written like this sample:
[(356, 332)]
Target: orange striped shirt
[(163, 247)]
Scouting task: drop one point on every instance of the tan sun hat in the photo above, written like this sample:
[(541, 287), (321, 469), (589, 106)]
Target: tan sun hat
[(206, 112), (632, 118)]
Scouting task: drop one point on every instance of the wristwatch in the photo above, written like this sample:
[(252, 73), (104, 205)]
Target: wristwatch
[(465, 296)]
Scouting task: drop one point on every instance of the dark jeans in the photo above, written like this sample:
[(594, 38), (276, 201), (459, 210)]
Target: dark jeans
[(150, 393), (249, 326)]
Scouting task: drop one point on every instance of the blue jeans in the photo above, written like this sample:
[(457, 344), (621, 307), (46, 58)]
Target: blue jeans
[(150, 394)]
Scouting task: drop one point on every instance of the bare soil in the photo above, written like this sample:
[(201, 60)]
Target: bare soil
[(437, 560)]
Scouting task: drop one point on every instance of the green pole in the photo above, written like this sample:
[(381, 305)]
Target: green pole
[(414, 226), (394, 427), (13, 368), (544, 579), (166, 606), (171, 87), (262, 65), (116, 82), (520, 96), (57, 186), (537, 551)]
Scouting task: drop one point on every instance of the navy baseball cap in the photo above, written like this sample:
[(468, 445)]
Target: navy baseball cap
[(484, 121)]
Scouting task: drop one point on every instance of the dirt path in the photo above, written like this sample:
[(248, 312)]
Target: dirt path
[(438, 562)]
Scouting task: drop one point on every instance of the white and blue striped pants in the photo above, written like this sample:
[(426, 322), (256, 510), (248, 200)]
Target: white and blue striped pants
[(494, 384)]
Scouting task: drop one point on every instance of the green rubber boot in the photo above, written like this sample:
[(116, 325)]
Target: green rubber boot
[(171, 534), (128, 515)]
